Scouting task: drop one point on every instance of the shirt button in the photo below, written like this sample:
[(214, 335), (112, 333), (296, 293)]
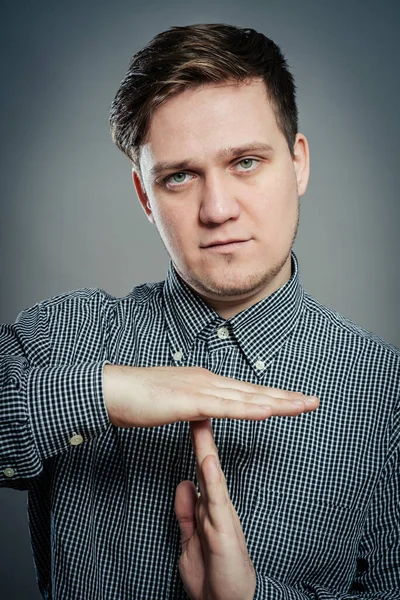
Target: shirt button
[(178, 356), (223, 333), (260, 365), (76, 440), (9, 472)]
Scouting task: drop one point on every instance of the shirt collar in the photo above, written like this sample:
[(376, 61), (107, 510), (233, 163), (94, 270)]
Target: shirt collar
[(260, 330), (186, 313)]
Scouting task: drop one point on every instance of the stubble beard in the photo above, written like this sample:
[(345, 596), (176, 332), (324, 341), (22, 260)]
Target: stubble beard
[(237, 286)]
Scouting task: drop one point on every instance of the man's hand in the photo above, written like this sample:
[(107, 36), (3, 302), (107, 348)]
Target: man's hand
[(214, 564), (153, 396)]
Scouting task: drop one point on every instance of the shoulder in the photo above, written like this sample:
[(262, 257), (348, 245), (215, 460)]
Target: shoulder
[(361, 347), (90, 308), (77, 325), (96, 298)]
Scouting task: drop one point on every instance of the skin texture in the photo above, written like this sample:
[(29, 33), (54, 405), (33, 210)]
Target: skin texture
[(215, 167), (219, 196)]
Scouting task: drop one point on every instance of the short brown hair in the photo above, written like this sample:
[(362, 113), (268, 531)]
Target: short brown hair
[(185, 57)]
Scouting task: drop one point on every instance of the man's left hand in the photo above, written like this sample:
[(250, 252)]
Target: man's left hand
[(215, 564)]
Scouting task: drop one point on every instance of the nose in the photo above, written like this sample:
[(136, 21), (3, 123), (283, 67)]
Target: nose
[(218, 203)]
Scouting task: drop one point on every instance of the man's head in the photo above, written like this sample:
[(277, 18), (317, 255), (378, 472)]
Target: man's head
[(207, 115), (182, 58)]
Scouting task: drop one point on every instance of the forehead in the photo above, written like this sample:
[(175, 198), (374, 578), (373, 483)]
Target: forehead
[(201, 122)]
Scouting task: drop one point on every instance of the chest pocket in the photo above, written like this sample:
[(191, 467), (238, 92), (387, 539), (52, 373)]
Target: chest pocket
[(303, 538)]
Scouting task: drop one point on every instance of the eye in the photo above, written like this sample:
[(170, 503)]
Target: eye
[(247, 164), (177, 179)]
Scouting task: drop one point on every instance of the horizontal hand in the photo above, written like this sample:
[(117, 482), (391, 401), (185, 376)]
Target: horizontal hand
[(153, 396)]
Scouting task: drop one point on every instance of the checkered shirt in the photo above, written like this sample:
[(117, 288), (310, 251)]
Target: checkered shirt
[(318, 495)]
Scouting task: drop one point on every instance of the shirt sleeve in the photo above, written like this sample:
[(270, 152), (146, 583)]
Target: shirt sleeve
[(44, 409), (377, 576)]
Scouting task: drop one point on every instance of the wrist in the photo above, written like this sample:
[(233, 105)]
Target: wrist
[(113, 392)]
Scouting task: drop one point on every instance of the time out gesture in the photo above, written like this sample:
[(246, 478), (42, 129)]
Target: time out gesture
[(215, 564)]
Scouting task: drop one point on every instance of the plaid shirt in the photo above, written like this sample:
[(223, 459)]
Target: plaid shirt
[(318, 495)]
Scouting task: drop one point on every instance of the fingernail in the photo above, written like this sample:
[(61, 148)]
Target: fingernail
[(311, 399)]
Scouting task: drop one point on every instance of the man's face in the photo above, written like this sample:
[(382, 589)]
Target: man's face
[(215, 169)]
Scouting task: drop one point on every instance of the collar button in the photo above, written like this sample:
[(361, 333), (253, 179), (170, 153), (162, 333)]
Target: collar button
[(223, 333)]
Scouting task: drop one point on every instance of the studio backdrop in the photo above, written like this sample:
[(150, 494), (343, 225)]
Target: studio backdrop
[(69, 214)]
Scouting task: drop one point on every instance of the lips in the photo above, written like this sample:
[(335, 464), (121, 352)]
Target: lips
[(223, 242), (227, 247)]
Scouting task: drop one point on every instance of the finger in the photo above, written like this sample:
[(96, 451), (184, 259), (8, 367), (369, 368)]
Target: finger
[(282, 403), (220, 511), (203, 440), (185, 510), (212, 482), (206, 406), (203, 445), (207, 379), (246, 386), (254, 407), (249, 391)]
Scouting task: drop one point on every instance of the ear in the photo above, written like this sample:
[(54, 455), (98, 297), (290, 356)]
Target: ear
[(142, 196), (301, 162)]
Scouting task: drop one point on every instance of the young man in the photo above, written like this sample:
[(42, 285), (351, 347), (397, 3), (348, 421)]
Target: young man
[(103, 400)]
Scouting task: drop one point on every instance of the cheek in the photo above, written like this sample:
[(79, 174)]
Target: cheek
[(286, 196), (285, 183), (276, 209), (173, 224), (277, 201)]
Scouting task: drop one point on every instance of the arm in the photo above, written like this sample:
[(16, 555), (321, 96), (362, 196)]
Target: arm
[(31, 430), (47, 407), (215, 562)]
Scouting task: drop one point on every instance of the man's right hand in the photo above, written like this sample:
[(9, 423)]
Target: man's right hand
[(153, 396)]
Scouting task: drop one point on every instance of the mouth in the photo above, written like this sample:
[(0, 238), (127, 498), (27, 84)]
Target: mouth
[(226, 247)]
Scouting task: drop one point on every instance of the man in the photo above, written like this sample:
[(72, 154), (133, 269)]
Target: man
[(103, 400)]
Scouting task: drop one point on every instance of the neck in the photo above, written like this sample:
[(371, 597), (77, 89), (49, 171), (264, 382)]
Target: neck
[(228, 307)]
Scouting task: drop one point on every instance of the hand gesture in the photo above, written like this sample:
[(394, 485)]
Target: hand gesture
[(214, 564), (153, 396)]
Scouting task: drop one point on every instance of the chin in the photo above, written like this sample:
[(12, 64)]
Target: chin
[(224, 285)]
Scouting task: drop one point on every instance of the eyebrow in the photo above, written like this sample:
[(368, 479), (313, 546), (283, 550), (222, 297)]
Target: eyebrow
[(234, 152)]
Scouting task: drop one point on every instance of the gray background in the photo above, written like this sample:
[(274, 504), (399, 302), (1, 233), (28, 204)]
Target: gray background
[(69, 216)]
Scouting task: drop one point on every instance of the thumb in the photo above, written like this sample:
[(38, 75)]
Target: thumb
[(185, 503)]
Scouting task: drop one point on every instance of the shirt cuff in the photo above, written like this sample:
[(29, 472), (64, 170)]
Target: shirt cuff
[(66, 406)]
